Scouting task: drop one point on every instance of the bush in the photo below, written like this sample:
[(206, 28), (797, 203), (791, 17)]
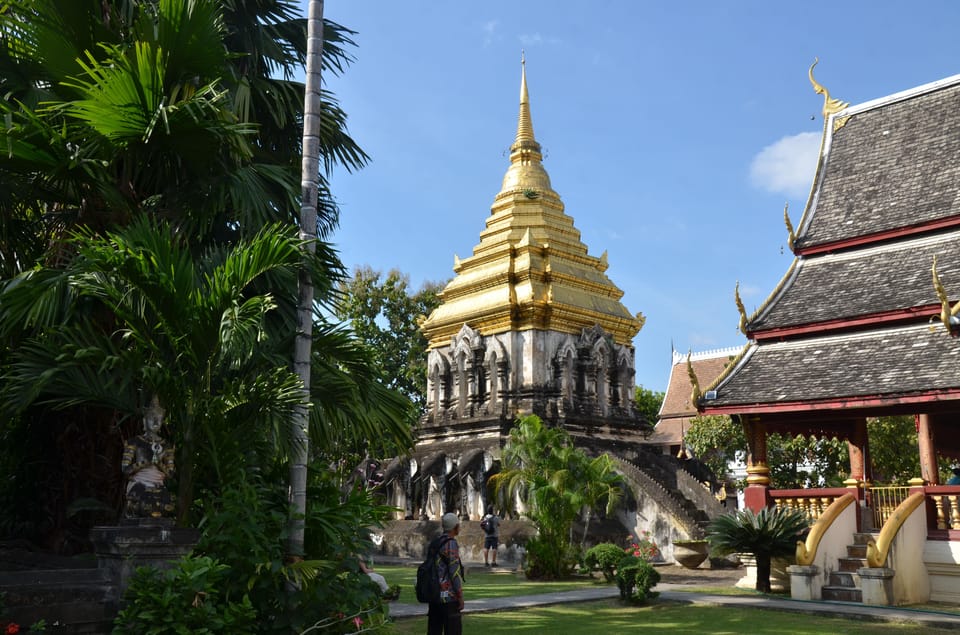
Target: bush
[(185, 599), (770, 533), (635, 577), (549, 559), (605, 556)]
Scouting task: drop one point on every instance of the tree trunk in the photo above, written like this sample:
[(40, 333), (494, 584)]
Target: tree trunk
[(763, 573), (303, 346)]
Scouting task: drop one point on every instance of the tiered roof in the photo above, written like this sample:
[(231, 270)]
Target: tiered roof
[(849, 326), (530, 270)]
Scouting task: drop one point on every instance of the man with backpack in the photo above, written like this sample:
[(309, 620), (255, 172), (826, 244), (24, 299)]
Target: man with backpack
[(491, 540), (443, 617)]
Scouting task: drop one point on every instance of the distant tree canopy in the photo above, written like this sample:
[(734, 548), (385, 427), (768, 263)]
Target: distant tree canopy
[(802, 461), (384, 314), (648, 402)]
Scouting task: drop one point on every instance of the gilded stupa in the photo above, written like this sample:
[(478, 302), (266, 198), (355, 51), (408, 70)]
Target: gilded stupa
[(530, 323)]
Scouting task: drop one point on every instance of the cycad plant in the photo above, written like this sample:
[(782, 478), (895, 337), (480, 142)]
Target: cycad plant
[(771, 533)]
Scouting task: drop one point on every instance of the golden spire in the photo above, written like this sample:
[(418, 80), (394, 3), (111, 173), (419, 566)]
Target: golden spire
[(524, 123), (526, 172)]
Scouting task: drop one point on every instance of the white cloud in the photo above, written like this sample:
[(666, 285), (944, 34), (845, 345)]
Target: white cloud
[(787, 166), (531, 39), (489, 31)]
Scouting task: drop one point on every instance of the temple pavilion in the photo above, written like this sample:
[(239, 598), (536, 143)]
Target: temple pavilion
[(861, 326)]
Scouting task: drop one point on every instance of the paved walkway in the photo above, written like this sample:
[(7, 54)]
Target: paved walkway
[(669, 592)]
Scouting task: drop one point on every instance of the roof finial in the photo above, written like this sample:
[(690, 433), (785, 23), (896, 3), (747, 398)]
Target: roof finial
[(524, 122), (830, 105)]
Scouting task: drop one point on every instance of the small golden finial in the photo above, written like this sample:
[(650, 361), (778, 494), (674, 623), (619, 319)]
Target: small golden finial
[(947, 315), (696, 394), (830, 105), (791, 236), (743, 312)]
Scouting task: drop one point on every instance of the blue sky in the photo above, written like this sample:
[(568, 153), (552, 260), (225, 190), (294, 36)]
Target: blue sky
[(674, 132)]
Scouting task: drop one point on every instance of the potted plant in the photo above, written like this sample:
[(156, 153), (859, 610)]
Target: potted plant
[(690, 553)]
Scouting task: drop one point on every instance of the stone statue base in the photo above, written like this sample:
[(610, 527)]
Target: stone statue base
[(139, 542)]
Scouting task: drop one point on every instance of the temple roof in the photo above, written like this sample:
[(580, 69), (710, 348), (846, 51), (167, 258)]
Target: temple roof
[(677, 408), (530, 269), (882, 279), (849, 325), (874, 367), (890, 163)]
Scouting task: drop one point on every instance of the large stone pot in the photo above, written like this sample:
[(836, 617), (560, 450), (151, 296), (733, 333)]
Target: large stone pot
[(690, 553)]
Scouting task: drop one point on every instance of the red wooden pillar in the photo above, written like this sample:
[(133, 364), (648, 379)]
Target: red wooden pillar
[(858, 445), (757, 494), (928, 450)]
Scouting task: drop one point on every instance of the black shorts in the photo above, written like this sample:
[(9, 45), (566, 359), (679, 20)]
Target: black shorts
[(491, 542)]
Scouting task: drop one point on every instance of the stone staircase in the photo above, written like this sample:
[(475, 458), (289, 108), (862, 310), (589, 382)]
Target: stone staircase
[(844, 583), (71, 595)]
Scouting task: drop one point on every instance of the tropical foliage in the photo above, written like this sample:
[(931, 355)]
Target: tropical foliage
[(770, 533), (149, 195), (383, 312), (648, 402), (556, 482)]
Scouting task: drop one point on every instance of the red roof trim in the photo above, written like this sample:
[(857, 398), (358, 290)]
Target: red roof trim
[(866, 239), (843, 403), (885, 318)]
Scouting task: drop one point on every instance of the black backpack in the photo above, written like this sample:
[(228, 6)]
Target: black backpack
[(428, 573)]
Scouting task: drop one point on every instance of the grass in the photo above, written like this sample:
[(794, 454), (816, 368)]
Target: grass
[(485, 584), (590, 618)]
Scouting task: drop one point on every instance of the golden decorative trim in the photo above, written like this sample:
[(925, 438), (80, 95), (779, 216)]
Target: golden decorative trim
[(791, 235), (729, 367), (948, 316), (807, 550), (696, 394), (758, 474), (830, 105), (840, 122), (878, 550), (742, 326)]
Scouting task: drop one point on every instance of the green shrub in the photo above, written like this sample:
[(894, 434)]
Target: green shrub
[(185, 599), (605, 556), (549, 559), (770, 533), (635, 577)]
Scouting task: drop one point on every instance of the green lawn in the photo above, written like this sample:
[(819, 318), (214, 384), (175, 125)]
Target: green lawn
[(484, 584), (612, 618)]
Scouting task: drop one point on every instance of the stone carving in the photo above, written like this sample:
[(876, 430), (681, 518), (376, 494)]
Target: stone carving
[(147, 462)]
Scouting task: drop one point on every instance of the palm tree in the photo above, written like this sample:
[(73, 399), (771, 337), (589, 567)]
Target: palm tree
[(770, 533), (600, 484)]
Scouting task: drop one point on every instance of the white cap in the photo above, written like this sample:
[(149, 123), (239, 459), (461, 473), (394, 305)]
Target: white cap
[(449, 521)]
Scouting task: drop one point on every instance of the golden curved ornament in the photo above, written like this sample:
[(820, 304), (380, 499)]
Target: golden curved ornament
[(807, 550), (945, 311), (830, 104), (877, 551), (696, 394), (791, 235), (742, 325)]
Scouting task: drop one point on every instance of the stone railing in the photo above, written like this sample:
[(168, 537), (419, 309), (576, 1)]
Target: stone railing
[(664, 497)]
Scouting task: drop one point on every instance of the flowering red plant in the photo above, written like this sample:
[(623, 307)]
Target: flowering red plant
[(644, 547), (12, 628)]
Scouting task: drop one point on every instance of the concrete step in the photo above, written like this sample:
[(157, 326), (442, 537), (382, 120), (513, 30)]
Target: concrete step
[(844, 579), (852, 564), (46, 577), (842, 594), (857, 551)]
